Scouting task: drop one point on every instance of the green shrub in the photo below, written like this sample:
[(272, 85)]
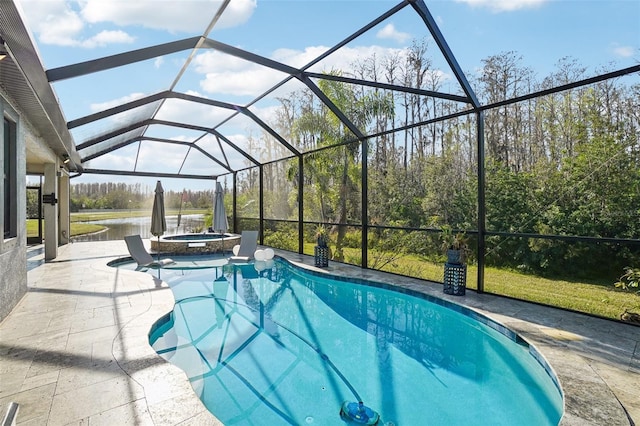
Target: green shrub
[(282, 240), (630, 280)]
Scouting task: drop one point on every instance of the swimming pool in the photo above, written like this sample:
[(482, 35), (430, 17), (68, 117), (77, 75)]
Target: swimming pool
[(273, 344)]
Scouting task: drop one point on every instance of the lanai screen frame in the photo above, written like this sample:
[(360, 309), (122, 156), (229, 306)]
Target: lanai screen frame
[(194, 43), (481, 232)]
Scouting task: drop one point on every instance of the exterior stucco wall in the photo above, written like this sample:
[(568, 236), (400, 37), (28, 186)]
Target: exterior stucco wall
[(13, 251), (13, 280)]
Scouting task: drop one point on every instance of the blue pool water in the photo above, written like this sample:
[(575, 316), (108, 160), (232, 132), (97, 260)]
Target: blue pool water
[(284, 346)]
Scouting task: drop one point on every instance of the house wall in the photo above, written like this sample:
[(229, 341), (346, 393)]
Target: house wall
[(13, 251)]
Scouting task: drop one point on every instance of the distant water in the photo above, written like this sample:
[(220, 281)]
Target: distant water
[(117, 229)]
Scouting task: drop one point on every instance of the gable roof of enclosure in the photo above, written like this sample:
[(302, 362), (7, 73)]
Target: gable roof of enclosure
[(140, 116), (213, 136)]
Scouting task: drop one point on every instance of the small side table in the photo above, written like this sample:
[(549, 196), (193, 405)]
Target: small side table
[(321, 255), (455, 279)]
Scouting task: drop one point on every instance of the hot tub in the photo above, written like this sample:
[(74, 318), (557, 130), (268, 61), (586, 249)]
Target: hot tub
[(195, 243)]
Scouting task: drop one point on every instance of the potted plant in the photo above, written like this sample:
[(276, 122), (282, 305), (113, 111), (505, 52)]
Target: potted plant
[(455, 245), (321, 250), (322, 236)]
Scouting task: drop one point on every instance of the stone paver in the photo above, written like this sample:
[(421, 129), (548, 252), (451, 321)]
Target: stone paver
[(75, 351)]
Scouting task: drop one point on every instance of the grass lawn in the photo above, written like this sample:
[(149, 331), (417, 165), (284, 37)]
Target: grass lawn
[(597, 299), (122, 214), (76, 228), (601, 299), (85, 228)]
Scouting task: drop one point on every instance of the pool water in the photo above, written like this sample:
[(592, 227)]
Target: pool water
[(279, 345)]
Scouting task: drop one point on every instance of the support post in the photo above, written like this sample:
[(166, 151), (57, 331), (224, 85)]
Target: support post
[(300, 204), (234, 201), (482, 213), (365, 201), (64, 199), (261, 203), (50, 211)]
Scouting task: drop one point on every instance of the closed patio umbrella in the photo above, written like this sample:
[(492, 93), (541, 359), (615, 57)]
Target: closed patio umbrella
[(220, 223), (158, 220)]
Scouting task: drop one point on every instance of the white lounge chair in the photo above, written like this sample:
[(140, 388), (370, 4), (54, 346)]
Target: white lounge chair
[(247, 247), (141, 255)]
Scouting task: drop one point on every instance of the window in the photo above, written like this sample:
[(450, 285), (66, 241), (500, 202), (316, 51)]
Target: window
[(10, 179)]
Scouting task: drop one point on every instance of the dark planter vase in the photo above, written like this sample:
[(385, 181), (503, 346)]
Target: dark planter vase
[(321, 255), (455, 273)]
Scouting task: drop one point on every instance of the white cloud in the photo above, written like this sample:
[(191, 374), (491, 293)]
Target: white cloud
[(60, 23), (504, 5), (123, 118), (344, 58), (195, 93), (191, 112), (210, 144), (182, 138), (624, 51), (105, 38), (158, 156), (54, 21), (115, 102), (249, 82), (186, 16), (158, 62), (238, 12), (66, 23), (230, 75), (213, 59), (112, 160), (297, 58), (390, 32)]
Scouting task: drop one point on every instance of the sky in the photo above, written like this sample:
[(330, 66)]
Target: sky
[(598, 35)]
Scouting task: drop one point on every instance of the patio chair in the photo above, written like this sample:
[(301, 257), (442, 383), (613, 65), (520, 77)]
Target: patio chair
[(247, 247), (141, 255)]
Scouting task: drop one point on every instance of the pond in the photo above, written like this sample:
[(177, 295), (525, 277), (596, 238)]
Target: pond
[(117, 229)]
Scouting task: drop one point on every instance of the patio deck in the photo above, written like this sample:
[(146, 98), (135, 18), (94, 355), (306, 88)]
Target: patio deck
[(75, 351)]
